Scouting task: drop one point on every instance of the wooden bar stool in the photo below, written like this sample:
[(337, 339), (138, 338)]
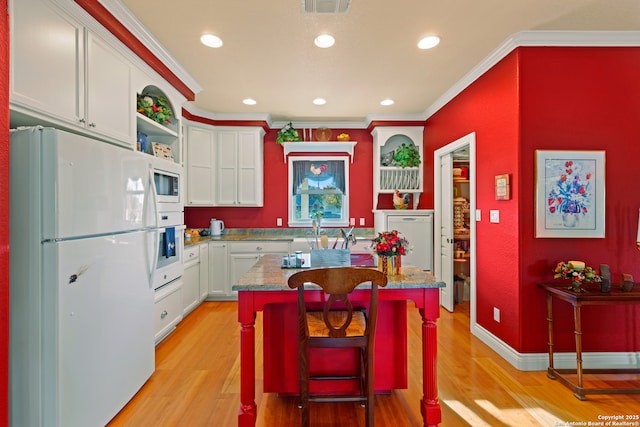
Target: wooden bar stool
[(338, 325)]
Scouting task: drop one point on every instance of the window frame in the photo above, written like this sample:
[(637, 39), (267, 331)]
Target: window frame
[(291, 207)]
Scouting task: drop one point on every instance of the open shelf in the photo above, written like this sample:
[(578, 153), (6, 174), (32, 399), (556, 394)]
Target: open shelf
[(319, 147)]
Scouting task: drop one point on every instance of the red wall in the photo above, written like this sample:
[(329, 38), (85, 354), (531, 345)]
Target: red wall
[(275, 188), (549, 98), (4, 215)]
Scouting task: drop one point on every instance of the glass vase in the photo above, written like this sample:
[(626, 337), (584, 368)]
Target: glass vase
[(390, 265)]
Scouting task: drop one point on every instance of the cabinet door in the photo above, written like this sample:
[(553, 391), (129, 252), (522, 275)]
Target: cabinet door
[(219, 286), (47, 61), (110, 100), (250, 180), (204, 271), (190, 287), (226, 173), (240, 264), (200, 166)]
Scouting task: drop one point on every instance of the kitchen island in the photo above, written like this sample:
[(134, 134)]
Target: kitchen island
[(264, 288)]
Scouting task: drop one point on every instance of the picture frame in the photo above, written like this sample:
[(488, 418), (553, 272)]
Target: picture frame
[(503, 188), (570, 193)]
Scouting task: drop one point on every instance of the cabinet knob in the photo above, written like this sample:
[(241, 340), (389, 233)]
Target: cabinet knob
[(258, 248), (82, 121), (163, 314), (92, 125)]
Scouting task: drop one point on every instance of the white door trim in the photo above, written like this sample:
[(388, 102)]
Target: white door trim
[(470, 141)]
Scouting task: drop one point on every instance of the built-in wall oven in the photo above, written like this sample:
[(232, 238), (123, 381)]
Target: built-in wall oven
[(170, 248)]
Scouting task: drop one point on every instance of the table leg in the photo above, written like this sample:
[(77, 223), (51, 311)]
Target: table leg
[(429, 406), (550, 333), (578, 333), (247, 413)]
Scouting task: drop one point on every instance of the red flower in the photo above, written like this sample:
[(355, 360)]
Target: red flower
[(552, 209), (563, 177), (588, 176)]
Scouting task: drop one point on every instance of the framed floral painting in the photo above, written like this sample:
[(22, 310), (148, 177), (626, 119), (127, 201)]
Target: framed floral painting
[(570, 191)]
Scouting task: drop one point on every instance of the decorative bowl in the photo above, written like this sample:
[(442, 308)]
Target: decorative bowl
[(323, 134)]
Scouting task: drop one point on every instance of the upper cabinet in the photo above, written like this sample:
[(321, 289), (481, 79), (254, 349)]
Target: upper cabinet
[(239, 166), (397, 161), (224, 165), (200, 167), (63, 74)]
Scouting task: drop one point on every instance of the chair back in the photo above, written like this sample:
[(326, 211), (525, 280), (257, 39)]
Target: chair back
[(338, 283)]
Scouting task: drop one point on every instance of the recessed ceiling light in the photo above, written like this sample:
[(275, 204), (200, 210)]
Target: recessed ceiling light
[(428, 42), (324, 41), (249, 101), (211, 41), (387, 102), (319, 101)]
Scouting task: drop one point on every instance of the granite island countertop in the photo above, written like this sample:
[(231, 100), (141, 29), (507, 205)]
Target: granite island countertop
[(268, 275), (275, 234)]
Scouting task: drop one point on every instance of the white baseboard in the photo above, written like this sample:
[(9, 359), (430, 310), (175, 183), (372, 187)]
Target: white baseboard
[(540, 361)]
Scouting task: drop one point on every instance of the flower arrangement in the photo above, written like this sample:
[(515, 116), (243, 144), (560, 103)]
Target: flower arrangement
[(571, 194), (577, 271), (155, 107), (288, 133), (389, 243)]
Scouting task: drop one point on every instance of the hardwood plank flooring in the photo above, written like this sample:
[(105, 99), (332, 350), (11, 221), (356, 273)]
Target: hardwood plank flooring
[(196, 383)]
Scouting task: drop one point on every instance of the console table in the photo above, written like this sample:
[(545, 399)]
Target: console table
[(591, 296)]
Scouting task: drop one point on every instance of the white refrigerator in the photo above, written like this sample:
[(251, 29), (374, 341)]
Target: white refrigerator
[(81, 300)]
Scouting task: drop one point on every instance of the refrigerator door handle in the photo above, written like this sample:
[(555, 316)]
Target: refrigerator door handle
[(153, 256), (154, 196)]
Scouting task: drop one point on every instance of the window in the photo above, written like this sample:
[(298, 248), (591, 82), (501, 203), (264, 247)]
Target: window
[(318, 185)]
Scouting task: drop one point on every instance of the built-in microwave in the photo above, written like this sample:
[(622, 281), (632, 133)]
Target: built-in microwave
[(167, 186)]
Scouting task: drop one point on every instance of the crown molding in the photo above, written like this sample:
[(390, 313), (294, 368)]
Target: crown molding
[(135, 27), (535, 38)]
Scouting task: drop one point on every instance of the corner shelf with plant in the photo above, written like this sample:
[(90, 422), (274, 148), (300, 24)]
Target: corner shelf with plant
[(401, 170)]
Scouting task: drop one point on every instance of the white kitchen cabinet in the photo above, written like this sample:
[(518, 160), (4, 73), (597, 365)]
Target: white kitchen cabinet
[(243, 255), (63, 74), (219, 286), (168, 309), (200, 164), (204, 271), (414, 225), (239, 166), (191, 279)]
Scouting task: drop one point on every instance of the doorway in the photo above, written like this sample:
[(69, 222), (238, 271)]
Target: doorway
[(454, 235)]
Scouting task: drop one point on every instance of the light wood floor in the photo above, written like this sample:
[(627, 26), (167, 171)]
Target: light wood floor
[(196, 383)]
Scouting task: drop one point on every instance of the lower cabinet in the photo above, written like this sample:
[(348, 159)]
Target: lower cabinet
[(204, 271), (243, 255), (168, 309), (191, 279), (219, 287)]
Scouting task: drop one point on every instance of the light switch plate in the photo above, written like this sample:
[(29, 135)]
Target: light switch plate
[(494, 216), (478, 215)]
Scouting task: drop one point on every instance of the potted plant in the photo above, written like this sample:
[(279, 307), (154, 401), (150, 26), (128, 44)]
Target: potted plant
[(407, 156), (288, 134)]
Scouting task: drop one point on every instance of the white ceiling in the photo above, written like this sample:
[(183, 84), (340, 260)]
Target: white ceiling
[(268, 51)]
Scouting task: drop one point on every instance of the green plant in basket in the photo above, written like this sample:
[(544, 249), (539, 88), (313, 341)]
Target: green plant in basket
[(156, 107), (288, 134), (407, 156)]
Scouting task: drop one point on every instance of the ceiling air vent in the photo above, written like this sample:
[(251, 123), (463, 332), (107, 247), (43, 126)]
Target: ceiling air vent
[(326, 6)]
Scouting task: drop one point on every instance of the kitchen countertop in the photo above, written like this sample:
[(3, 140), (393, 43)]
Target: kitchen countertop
[(267, 275), (274, 234)]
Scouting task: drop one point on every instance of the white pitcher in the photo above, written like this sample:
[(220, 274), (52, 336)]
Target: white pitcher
[(216, 227)]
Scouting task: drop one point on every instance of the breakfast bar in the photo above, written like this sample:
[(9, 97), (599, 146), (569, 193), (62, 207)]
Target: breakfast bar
[(264, 288)]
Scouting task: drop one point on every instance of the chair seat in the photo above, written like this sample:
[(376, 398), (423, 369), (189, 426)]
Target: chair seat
[(317, 327)]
